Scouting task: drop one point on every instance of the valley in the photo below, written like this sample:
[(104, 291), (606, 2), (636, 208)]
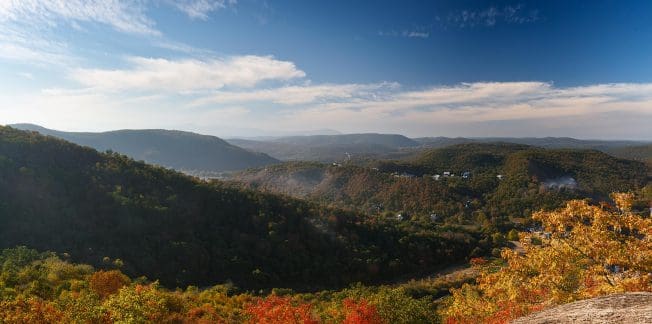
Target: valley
[(403, 229)]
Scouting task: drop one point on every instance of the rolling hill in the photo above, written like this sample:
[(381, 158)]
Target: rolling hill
[(101, 207), (366, 147), (329, 148), (531, 178), (544, 142), (183, 151), (641, 153)]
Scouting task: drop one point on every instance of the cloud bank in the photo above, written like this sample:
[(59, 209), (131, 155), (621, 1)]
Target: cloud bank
[(187, 75), (202, 91)]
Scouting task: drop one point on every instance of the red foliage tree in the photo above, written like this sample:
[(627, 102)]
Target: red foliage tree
[(360, 313), (280, 310)]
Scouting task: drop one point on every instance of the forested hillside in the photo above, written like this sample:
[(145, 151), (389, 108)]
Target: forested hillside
[(580, 256), (106, 210), (359, 148), (183, 151), (489, 183), (47, 288), (639, 153), (329, 148), (544, 142)]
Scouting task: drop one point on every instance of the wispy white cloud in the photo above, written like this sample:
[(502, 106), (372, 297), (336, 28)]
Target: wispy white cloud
[(30, 30), (18, 44), (466, 109), (488, 17), (122, 15), (26, 75), (296, 95), (416, 33), (188, 75), (473, 109), (200, 9)]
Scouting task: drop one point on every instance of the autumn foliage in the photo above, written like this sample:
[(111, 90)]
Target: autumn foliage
[(32, 310), (106, 283), (41, 288), (280, 310), (360, 313), (584, 251)]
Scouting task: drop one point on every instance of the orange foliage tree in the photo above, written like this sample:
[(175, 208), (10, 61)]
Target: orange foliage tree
[(106, 283), (584, 251), (204, 314), (33, 310), (280, 310)]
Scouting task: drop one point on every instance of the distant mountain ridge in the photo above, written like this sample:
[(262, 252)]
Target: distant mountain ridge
[(184, 151), (366, 146), (639, 153), (328, 148), (545, 142)]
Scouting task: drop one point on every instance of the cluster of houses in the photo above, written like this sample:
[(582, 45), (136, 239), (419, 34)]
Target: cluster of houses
[(402, 175), (538, 231), (464, 175), (402, 216)]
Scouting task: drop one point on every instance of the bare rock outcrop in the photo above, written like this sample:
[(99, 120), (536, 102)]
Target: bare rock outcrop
[(619, 308)]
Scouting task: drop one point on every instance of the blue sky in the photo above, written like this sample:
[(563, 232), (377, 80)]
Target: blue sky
[(251, 67)]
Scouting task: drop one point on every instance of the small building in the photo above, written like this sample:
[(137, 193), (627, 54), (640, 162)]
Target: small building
[(466, 174), (535, 229), (614, 269)]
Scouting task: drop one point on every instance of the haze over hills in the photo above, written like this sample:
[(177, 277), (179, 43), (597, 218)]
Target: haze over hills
[(546, 142), (532, 178), (58, 196), (184, 151), (639, 153), (326, 148), (329, 148)]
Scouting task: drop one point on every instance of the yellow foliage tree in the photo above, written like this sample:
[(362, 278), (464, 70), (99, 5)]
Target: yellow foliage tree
[(137, 304), (583, 252)]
